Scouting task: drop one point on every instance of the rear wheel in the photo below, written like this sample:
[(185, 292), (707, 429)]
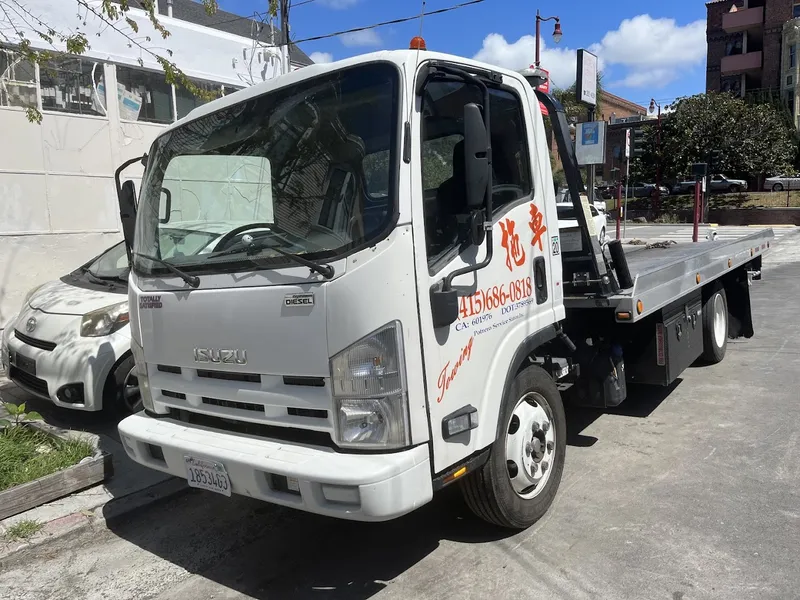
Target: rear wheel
[(778, 187), (516, 486), (715, 326)]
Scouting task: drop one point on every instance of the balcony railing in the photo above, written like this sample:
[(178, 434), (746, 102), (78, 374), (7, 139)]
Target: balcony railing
[(743, 19), (741, 63)]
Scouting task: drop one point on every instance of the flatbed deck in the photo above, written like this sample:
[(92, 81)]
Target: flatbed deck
[(662, 274)]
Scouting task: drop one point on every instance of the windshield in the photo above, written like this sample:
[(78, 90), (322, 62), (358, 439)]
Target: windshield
[(111, 264), (306, 169)]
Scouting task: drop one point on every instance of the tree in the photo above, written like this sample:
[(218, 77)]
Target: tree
[(752, 139), (577, 111), (17, 21)]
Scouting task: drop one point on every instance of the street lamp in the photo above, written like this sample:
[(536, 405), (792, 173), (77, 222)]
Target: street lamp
[(557, 33), (657, 199)]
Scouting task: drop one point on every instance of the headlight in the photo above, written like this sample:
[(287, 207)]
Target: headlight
[(105, 320), (30, 293), (370, 393), (141, 371)]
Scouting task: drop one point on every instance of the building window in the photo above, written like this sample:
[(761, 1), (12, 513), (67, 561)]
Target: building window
[(186, 102), (17, 80), (796, 11), (144, 96), (789, 80), (734, 45), (792, 55), (74, 86)]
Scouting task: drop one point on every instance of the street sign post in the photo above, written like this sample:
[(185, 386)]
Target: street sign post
[(586, 83)]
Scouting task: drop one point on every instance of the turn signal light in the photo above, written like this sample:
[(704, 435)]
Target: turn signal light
[(730, 263), (639, 307), (697, 278), (623, 316)]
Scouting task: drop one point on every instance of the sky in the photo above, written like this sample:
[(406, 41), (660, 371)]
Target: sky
[(646, 50)]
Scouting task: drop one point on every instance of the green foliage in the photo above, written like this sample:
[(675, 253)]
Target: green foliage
[(577, 111), (23, 530), (753, 139), (18, 414), (115, 14), (27, 454)]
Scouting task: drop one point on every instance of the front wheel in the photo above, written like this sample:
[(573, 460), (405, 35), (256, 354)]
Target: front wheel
[(777, 187), (519, 481), (124, 391), (734, 189)]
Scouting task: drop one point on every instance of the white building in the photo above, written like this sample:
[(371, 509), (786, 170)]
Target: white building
[(58, 203)]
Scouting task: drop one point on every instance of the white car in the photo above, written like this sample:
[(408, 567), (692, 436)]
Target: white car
[(70, 342), (778, 183), (567, 219)]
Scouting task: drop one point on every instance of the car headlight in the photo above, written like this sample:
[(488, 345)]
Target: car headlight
[(144, 380), (30, 294), (105, 321), (370, 393)]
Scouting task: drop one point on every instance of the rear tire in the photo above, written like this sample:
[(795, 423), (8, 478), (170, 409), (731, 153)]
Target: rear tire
[(519, 481), (715, 326), (778, 187)]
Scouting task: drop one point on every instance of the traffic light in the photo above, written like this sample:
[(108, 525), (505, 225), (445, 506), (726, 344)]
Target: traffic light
[(637, 142), (714, 160)]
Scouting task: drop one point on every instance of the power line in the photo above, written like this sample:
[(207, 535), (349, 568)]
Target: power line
[(392, 22), (293, 5)]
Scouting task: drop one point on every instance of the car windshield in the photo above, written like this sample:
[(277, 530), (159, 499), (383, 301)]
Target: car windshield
[(306, 168), (111, 264)]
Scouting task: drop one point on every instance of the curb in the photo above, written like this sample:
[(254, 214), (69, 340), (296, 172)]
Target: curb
[(101, 516)]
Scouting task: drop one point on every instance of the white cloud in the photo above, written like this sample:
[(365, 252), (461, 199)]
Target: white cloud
[(338, 4), (366, 37), (645, 52), (321, 57)]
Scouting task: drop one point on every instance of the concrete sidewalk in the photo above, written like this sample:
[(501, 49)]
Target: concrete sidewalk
[(130, 487)]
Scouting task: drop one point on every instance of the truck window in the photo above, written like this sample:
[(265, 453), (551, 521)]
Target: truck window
[(443, 178)]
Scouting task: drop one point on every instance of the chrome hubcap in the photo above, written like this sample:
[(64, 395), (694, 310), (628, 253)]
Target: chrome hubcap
[(530, 445), (130, 392), (720, 321)]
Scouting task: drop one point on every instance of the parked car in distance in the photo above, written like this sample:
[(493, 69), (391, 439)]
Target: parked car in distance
[(646, 190), (567, 219), (722, 183), (71, 343), (778, 183), (562, 197)]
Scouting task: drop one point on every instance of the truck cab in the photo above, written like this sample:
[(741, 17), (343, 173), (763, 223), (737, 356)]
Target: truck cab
[(382, 317)]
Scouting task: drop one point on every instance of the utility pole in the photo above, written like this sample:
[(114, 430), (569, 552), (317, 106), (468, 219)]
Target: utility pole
[(285, 64)]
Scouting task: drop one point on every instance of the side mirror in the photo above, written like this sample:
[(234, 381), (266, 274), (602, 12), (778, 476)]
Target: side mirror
[(127, 211), (476, 155), (167, 206), (444, 307)]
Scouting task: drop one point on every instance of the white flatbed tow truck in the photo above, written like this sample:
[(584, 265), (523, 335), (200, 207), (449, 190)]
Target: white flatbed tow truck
[(397, 309)]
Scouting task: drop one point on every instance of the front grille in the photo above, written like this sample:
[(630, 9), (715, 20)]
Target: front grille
[(41, 344), (307, 381), (169, 394), (169, 369), (314, 413), (286, 434), (249, 377), (234, 404), (29, 382)]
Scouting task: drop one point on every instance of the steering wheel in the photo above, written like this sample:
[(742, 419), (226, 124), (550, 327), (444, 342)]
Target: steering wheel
[(225, 239), (508, 188)]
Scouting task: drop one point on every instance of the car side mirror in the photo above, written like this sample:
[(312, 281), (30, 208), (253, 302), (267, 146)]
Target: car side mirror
[(127, 211), (476, 155), (167, 206), (444, 307)]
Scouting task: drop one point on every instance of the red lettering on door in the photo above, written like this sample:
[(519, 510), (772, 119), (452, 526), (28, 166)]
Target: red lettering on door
[(447, 375), (536, 226), (514, 250)]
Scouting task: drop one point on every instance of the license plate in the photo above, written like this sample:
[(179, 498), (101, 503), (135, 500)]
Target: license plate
[(23, 363), (207, 475)]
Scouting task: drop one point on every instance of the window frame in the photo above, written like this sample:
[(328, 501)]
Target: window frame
[(51, 111), (437, 264)]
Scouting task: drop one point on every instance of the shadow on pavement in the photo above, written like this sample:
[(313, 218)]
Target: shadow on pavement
[(266, 551), (641, 402)]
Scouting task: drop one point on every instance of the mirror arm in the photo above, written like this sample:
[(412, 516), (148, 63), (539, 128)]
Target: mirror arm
[(125, 165)]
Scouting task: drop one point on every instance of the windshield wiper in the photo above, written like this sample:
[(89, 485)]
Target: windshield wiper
[(325, 270), (95, 279), (191, 280)]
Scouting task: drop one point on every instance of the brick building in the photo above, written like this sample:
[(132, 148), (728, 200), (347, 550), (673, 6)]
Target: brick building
[(752, 48)]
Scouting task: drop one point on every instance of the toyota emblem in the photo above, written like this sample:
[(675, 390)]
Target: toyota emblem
[(30, 325)]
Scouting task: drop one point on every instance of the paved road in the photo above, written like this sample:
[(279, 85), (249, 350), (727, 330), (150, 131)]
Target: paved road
[(681, 494), (683, 233)]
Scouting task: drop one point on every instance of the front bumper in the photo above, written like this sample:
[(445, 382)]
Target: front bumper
[(359, 487), (74, 361)]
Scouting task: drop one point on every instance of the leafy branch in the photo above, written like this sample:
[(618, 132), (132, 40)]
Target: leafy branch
[(17, 412), (16, 19)]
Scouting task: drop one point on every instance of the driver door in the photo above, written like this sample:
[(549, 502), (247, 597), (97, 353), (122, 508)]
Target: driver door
[(500, 305)]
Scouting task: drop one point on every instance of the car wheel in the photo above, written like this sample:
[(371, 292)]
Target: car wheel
[(517, 484), (124, 381), (602, 235), (734, 189), (715, 326), (778, 187)]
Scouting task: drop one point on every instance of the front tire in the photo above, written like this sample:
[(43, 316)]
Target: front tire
[(519, 481), (715, 326), (123, 387), (778, 187), (734, 189)]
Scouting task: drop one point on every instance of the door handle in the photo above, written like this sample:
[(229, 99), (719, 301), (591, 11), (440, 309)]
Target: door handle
[(540, 279)]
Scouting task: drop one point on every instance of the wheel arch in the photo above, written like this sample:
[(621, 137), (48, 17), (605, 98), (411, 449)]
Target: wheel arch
[(109, 386)]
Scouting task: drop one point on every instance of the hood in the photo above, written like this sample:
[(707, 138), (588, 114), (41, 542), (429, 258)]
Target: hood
[(61, 298)]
